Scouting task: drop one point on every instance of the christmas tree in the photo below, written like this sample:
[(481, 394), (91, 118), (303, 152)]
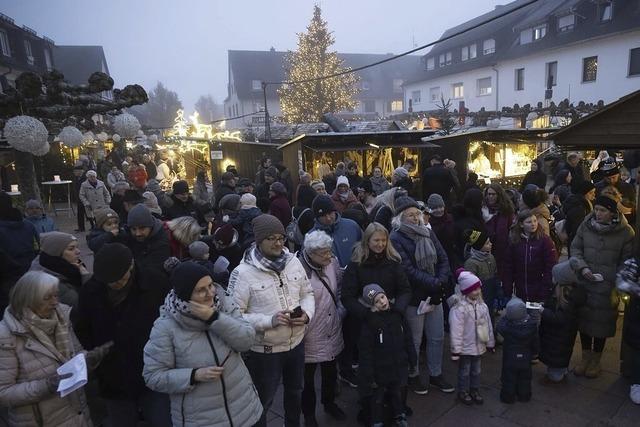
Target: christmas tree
[(309, 100)]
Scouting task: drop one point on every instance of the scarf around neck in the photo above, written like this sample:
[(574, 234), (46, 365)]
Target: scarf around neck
[(276, 265), (425, 252), (52, 333), (63, 267), (479, 255)]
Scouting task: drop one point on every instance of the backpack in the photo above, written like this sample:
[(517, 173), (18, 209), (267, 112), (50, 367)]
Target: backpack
[(294, 235)]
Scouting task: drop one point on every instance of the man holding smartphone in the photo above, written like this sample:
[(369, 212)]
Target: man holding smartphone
[(273, 293)]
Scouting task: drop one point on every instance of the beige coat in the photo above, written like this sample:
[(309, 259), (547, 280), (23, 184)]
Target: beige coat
[(24, 366)]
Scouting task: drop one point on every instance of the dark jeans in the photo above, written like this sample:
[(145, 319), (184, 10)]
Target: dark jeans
[(391, 394), (155, 407), (592, 343), (81, 213), (468, 373), (328, 374), (516, 382), (267, 370), (350, 332), (635, 365)]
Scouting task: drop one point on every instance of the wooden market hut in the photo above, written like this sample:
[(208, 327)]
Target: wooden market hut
[(244, 155)]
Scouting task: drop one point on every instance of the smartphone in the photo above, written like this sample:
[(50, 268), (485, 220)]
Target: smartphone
[(296, 313)]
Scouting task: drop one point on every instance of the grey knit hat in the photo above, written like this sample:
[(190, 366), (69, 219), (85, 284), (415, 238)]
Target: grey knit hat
[(369, 294), (55, 242), (278, 187), (266, 225), (102, 215), (230, 202), (435, 201), (140, 216), (198, 250), (516, 309)]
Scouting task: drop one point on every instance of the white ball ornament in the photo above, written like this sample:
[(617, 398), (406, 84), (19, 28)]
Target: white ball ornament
[(70, 136), (116, 137), (25, 133), (126, 125)]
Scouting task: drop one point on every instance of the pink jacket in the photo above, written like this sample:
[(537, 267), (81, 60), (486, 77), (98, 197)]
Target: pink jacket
[(463, 317)]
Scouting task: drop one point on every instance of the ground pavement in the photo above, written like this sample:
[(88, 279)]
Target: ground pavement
[(580, 402)]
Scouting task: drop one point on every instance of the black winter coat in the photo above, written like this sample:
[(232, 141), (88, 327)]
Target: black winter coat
[(305, 196), (631, 327), (382, 214), (575, 209), (222, 191), (128, 324), (385, 349), (150, 254), (438, 179), (558, 330), (179, 208), (97, 238), (388, 274), (520, 342)]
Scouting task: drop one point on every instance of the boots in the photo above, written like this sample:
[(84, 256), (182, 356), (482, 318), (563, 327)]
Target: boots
[(593, 369), (580, 369)]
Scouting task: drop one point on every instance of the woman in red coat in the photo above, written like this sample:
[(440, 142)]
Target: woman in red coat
[(498, 215), (279, 206)]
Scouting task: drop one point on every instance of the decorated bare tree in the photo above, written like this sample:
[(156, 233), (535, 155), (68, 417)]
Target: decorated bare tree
[(40, 106)]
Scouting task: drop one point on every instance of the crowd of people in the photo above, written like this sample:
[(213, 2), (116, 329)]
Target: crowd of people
[(204, 299)]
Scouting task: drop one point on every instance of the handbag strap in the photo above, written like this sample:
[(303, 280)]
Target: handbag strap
[(326, 285)]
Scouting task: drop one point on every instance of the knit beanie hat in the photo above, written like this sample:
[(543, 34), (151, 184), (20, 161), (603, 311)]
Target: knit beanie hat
[(33, 204), (317, 184), (467, 281), (132, 196), (224, 235), (581, 187), (278, 188), (180, 187), (92, 173), (401, 172), (476, 238), (111, 262), (342, 179), (198, 250), (403, 203), (516, 309), (140, 216), (266, 225), (370, 292), (607, 203), (230, 202), (102, 215), (322, 205), (435, 201), (185, 277), (247, 201), (272, 172), (153, 186), (150, 200), (55, 242), (533, 198)]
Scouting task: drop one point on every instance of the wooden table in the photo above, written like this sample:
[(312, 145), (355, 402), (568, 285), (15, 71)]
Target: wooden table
[(51, 185)]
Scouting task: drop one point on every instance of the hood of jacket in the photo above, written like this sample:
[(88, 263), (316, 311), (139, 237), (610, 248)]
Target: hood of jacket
[(621, 224)]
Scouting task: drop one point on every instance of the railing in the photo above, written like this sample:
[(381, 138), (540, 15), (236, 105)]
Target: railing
[(4, 17), (29, 30)]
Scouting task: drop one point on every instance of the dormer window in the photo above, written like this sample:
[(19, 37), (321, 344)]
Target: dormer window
[(28, 52), (605, 11), (431, 63), (539, 32), (566, 23), (445, 59), (488, 46), (469, 52)]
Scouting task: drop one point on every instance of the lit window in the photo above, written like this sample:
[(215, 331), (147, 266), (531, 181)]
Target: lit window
[(589, 69), (434, 94), (431, 63), (488, 47), (539, 32), (634, 62), (519, 79), (566, 23), (458, 90), (28, 52), (606, 11), (484, 86), (415, 96), (256, 84), (4, 43), (396, 106)]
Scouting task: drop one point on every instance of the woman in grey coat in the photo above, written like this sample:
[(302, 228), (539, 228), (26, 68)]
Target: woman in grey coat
[(193, 354), (603, 242)]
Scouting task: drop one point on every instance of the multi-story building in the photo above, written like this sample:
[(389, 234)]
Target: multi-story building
[(380, 94), (580, 50)]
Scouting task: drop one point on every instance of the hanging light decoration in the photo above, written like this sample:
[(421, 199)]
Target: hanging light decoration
[(102, 136), (25, 133), (115, 137), (70, 136), (126, 125)]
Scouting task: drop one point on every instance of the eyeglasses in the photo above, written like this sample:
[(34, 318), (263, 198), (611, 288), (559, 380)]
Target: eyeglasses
[(276, 239)]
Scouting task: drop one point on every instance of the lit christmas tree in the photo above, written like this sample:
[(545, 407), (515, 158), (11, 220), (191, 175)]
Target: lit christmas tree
[(307, 102)]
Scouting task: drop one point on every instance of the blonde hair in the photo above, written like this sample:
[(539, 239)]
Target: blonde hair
[(30, 291), (185, 229), (361, 249)]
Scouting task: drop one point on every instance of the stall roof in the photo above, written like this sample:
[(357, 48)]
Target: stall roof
[(342, 141), (617, 125), (494, 135)]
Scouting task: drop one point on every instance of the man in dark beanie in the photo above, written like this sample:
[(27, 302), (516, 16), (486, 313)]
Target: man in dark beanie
[(119, 304), (610, 172), (147, 239), (227, 186), (345, 232), (576, 207), (271, 288), (270, 176), (180, 203)]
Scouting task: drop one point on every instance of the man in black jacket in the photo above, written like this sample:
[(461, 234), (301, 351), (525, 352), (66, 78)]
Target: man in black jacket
[(147, 240), (577, 206), (227, 186), (181, 202), (438, 179)]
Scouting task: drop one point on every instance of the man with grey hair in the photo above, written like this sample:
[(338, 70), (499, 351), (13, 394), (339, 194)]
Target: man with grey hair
[(93, 195)]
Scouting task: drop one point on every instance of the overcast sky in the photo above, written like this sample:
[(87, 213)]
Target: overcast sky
[(184, 43)]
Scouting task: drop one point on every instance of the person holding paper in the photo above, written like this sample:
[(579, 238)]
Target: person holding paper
[(193, 353), (36, 339)]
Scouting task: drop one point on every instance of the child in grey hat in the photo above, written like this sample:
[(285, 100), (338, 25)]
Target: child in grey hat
[(199, 252)]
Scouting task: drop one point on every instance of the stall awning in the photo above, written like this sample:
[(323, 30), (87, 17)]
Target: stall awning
[(344, 141), (616, 126)]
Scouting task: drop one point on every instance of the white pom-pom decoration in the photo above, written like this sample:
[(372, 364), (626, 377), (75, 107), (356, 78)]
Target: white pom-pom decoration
[(126, 125), (140, 133), (88, 137), (70, 136), (24, 133), (102, 136), (116, 137), (153, 138), (42, 150)]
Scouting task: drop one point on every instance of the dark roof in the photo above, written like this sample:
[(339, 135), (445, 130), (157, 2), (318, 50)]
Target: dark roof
[(284, 132), (345, 141), (77, 63), (617, 125), (249, 65), (513, 136), (506, 32)]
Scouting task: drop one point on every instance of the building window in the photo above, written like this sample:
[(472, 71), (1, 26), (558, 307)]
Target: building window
[(526, 36), (4, 43), (484, 86), (589, 69), (469, 52), (415, 96), (445, 59), (551, 75), (396, 106), (365, 85), (28, 52), (397, 85), (431, 63), (519, 79), (370, 106), (566, 23), (539, 32), (256, 85), (448, 57), (634, 62), (605, 11), (458, 90), (47, 59), (434, 94), (441, 60), (488, 46)]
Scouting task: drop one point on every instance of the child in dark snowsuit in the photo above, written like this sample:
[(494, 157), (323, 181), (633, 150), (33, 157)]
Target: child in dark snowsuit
[(520, 332), (199, 252), (386, 351)]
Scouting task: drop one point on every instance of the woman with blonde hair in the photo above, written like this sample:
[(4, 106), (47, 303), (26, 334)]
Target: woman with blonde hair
[(182, 232)]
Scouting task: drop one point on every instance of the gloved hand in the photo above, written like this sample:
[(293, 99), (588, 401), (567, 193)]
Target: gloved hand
[(95, 356), (54, 381), (455, 356), (627, 279)]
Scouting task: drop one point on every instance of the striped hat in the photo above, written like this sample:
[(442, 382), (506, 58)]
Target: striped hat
[(467, 281)]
